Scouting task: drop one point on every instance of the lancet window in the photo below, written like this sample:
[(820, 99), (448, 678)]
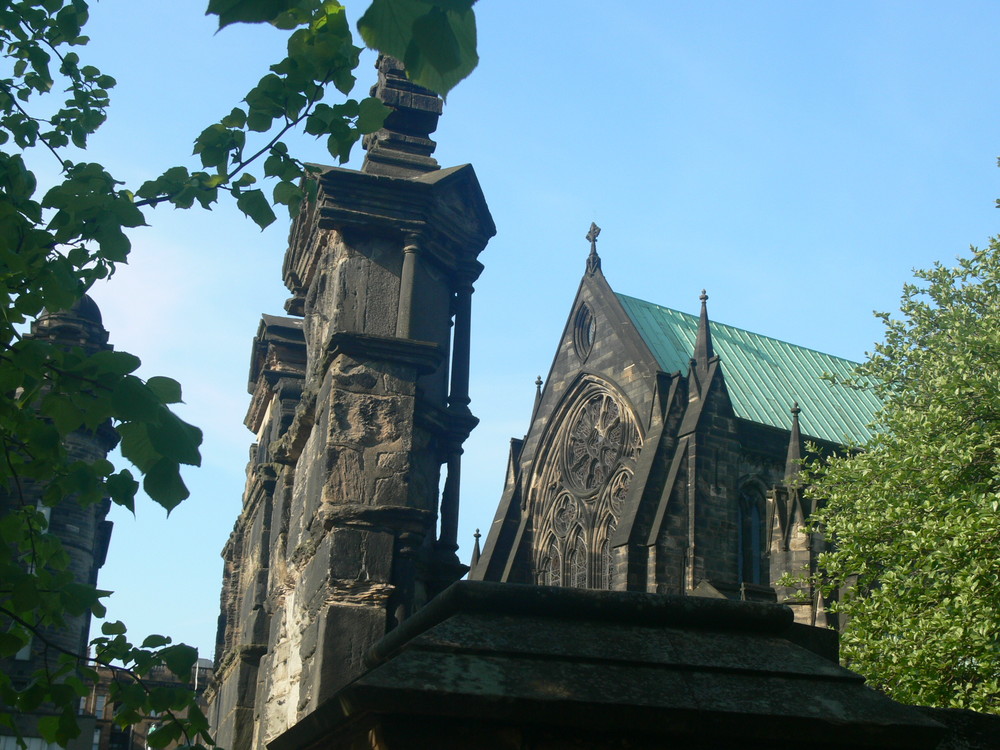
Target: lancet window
[(750, 535), (550, 571)]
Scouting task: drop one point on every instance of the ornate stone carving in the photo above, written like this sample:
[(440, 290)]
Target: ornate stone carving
[(564, 514), (618, 491), (579, 486), (594, 443)]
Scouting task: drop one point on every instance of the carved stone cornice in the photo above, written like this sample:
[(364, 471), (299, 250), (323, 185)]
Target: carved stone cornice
[(451, 425), (424, 356), (377, 516), (445, 207)]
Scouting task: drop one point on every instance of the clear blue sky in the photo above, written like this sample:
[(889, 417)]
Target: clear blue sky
[(795, 159)]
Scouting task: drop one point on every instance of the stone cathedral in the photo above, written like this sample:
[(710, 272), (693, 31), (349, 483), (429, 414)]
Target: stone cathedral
[(662, 456), (625, 593)]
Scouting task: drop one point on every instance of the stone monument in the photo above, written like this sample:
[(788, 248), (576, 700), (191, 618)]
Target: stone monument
[(360, 400)]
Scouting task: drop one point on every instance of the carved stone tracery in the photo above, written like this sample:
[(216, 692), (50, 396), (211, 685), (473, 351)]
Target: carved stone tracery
[(579, 486)]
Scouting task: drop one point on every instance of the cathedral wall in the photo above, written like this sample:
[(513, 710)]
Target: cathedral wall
[(592, 345), (716, 476)]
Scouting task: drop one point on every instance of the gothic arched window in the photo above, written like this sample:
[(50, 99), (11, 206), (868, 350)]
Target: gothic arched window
[(604, 566), (750, 536), (576, 562), (580, 482), (550, 572)]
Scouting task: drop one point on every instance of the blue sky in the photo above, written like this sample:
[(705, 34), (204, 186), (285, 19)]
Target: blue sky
[(795, 159)]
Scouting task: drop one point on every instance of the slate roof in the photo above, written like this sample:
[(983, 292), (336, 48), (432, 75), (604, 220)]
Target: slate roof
[(485, 664), (764, 375)]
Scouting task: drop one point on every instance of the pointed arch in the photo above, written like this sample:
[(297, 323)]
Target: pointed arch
[(549, 571), (579, 481), (577, 561), (751, 560)]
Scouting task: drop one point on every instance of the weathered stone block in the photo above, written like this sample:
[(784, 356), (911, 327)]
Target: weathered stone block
[(391, 490), (367, 420), (345, 634), (346, 480)]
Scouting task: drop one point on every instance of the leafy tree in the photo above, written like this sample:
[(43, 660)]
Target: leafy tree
[(915, 516), (56, 242)]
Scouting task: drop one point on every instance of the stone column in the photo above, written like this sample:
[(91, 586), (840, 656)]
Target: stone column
[(458, 404), (458, 400), (404, 317)]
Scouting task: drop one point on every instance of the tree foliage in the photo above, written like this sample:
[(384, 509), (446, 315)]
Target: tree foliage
[(56, 241), (915, 516)]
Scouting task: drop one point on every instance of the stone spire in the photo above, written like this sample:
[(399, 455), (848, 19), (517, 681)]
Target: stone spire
[(794, 460), (703, 350), (538, 395), (402, 148), (475, 551), (593, 260)]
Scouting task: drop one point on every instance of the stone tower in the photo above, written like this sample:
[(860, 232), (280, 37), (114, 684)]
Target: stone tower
[(359, 400), (82, 529)]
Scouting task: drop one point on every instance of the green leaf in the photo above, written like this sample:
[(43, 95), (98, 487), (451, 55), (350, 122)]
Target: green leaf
[(247, 11), (180, 659), (175, 439), (118, 363), (235, 119), (163, 734), (371, 115), (136, 445), (287, 193), (11, 642), (48, 728), (113, 628), (255, 205), (164, 485), (436, 41), (134, 400), (121, 488), (166, 389)]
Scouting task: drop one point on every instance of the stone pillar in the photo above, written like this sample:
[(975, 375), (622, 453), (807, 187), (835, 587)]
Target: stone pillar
[(458, 404), (458, 399), (404, 317), (382, 405)]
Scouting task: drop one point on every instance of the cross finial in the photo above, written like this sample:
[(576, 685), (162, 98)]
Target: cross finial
[(592, 235), (593, 260)]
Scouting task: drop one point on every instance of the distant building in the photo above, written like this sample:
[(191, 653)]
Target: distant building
[(107, 735), (83, 531)]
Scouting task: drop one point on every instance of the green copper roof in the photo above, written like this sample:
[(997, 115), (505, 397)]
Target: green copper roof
[(764, 375)]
